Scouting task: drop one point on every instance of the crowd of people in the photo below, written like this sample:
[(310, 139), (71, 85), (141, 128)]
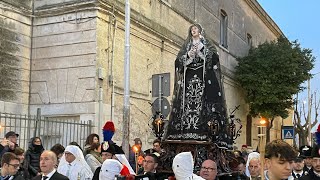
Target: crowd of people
[(281, 162), (106, 161)]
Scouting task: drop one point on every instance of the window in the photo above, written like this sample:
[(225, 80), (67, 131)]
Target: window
[(223, 28), (249, 39)]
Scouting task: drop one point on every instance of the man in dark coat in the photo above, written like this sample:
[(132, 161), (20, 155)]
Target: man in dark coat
[(9, 143), (305, 153), (48, 161), (298, 168), (315, 174)]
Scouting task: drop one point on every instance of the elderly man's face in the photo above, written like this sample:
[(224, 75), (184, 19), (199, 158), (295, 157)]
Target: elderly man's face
[(48, 162), (254, 167), (208, 170)]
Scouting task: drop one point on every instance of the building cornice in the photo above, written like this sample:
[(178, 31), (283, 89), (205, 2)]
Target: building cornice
[(266, 19)]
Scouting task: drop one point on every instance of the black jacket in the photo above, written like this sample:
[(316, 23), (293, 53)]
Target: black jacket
[(303, 174), (96, 174), (55, 176), (310, 176), (15, 177), (305, 168), (32, 159)]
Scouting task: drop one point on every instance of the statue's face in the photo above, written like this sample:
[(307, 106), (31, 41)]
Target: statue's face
[(195, 31)]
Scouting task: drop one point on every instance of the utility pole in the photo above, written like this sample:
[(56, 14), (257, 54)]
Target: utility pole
[(126, 101), (309, 114)]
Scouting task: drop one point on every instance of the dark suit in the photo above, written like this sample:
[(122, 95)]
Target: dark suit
[(296, 177), (255, 178), (55, 176), (305, 168), (310, 176)]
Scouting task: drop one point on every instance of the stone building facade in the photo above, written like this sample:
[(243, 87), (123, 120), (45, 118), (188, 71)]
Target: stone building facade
[(72, 52)]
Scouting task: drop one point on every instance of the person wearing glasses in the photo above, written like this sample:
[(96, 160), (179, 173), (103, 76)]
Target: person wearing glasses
[(150, 163), (9, 167), (73, 165), (208, 170)]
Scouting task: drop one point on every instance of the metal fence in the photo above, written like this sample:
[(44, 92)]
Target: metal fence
[(51, 130)]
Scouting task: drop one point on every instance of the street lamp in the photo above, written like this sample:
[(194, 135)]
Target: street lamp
[(262, 130)]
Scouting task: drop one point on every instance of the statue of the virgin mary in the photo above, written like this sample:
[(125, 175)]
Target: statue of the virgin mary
[(198, 98)]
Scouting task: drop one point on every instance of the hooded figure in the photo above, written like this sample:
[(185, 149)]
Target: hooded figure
[(32, 157), (73, 164), (182, 167), (253, 155), (110, 168), (198, 97)]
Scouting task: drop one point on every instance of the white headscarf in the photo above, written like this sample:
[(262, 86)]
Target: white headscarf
[(109, 169), (182, 167), (76, 151), (253, 155)]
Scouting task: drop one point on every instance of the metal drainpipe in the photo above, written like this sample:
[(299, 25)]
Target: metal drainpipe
[(112, 64), (100, 110), (31, 51)]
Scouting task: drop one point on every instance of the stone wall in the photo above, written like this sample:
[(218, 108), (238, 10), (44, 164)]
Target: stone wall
[(63, 72), (15, 25)]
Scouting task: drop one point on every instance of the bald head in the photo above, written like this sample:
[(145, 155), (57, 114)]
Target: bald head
[(48, 161), (208, 170)]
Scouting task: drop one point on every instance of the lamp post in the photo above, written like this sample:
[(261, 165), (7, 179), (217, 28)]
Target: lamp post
[(126, 90), (262, 133)]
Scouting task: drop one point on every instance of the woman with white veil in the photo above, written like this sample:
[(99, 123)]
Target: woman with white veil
[(73, 164)]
